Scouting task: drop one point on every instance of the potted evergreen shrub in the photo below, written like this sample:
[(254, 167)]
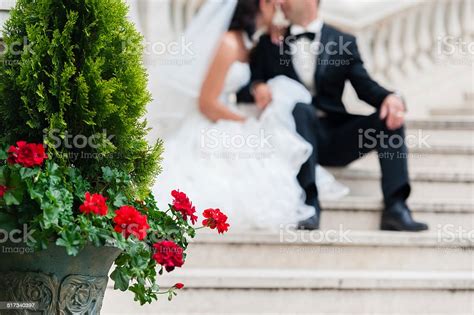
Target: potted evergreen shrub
[(75, 167)]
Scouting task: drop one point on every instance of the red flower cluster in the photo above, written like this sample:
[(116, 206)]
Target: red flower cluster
[(183, 205), (3, 190), (130, 221), (215, 219), (94, 204), (27, 154), (168, 254), (179, 285)]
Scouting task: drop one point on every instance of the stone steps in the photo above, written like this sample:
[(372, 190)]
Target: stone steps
[(364, 213), (467, 110), (334, 250), (442, 123), (444, 138), (455, 186), (288, 291), (433, 163)]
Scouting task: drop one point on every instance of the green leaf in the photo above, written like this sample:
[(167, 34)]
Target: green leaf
[(120, 200), (3, 155), (3, 174), (13, 197), (108, 174), (28, 172), (121, 279)]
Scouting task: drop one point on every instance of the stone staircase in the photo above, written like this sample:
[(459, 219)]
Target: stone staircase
[(467, 109), (349, 267)]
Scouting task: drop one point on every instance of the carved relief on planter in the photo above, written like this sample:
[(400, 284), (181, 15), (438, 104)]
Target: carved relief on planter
[(75, 295)]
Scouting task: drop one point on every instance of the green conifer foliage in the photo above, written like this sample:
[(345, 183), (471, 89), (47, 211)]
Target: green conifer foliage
[(73, 69)]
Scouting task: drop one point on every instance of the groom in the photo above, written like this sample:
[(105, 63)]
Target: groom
[(323, 59)]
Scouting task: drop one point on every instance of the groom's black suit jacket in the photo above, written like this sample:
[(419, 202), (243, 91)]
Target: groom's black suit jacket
[(335, 65)]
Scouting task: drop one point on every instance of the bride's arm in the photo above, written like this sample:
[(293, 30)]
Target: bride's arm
[(209, 102)]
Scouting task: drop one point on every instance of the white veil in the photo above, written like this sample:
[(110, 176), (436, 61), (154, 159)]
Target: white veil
[(177, 69)]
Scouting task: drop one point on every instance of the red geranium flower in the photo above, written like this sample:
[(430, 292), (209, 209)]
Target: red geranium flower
[(168, 254), (94, 204), (179, 285), (182, 204), (3, 190), (215, 219), (131, 222), (27, 154)]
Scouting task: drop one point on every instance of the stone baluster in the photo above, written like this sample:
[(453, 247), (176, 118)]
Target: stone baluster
[(425, 36), (395, 48), (365, 40), (440, 30), (411, 41), (381, 60), (468, 16), (454, 26)]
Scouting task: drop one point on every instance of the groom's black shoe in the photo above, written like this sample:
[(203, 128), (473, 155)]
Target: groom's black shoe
[(398, 218), (309, 224)]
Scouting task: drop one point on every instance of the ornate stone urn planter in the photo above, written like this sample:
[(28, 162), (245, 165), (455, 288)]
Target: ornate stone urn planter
[(56, 283)]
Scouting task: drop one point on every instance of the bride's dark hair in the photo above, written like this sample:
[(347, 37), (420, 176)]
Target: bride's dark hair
[(245, 16)]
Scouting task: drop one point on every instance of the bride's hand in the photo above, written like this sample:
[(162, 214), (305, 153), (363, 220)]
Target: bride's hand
[(263, 95)]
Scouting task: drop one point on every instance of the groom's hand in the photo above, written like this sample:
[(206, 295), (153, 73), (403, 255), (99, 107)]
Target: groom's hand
[(262, 94), (393, 112)]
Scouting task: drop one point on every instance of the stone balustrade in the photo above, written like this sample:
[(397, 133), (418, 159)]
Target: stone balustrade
[(406, 44)]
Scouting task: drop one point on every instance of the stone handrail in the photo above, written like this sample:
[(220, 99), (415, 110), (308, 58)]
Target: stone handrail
[(406, 37)]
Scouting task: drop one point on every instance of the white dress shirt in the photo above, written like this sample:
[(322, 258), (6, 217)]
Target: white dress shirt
[(305, 53)]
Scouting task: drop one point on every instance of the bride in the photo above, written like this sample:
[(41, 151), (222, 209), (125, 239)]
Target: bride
[(222, 154)]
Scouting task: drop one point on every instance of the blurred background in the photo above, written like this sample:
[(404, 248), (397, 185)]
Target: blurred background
[(422, 48)]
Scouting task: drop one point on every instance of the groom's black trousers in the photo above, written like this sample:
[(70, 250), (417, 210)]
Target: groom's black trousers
[(340, 139)]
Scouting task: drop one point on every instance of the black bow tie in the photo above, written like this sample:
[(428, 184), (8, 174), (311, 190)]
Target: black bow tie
[(308, 35)]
